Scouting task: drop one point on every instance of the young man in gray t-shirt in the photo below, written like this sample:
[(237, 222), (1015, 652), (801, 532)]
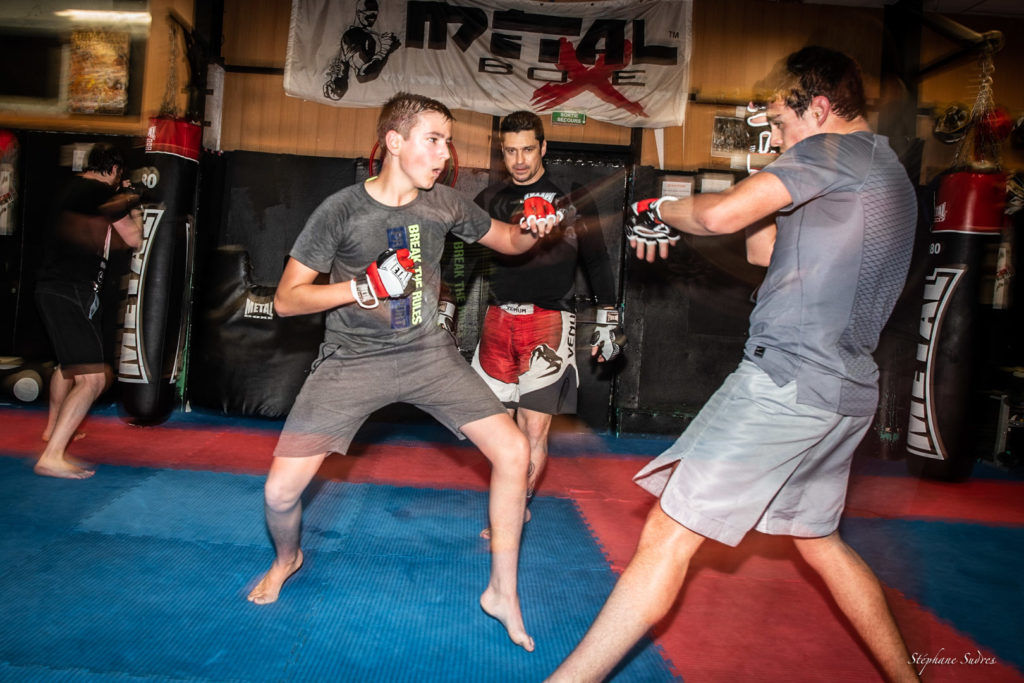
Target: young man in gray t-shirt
[(381, 243), (833, 219)]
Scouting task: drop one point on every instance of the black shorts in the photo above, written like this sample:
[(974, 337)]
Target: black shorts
[(76, 337)]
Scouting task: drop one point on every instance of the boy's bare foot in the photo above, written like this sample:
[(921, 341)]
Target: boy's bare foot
[(269, 587), (79, 463), (507, 612), (486, 533), (62, 469)]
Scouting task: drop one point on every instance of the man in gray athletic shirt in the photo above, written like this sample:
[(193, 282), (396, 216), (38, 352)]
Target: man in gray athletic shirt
[(381, 242), (833, 218)]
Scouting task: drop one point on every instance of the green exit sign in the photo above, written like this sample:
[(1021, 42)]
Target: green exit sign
[(568, 118)]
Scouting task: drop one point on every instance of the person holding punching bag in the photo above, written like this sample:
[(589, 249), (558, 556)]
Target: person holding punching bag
[(380, 242), (96, 212)]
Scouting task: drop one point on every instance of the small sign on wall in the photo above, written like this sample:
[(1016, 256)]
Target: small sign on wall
[(677, 186), (715, 182), (568, 118)]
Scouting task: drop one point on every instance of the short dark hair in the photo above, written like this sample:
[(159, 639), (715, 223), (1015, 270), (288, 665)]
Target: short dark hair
[(401, 111), (815, 71), (521, 120), (103, 158)]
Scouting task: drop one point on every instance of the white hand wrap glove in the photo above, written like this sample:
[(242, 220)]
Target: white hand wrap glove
[(608, 335), (446, 316)]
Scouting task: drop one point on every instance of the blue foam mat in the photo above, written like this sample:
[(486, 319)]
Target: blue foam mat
[(140, 574), (967, 574)]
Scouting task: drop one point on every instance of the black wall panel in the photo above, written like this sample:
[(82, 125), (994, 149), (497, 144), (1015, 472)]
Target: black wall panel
[(686, 318), (266, 199)]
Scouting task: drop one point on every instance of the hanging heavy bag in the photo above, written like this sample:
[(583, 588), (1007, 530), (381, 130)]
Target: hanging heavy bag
[(965, 233), (155, 307)]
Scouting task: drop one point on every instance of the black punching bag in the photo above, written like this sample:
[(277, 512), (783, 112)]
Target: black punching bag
[(966, 231), (155, 307)]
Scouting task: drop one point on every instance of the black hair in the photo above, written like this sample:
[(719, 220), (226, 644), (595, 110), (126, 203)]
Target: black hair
[(103, 158), (815, 71), (521, 120)]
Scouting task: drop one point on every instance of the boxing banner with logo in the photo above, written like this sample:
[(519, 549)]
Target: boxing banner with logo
[(620, 61)]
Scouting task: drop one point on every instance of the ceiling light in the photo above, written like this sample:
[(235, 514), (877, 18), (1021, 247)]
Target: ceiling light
[(105, 17)]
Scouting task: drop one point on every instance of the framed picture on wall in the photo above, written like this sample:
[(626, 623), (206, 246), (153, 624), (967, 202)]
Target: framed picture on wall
[(744, 138), (98, 79)]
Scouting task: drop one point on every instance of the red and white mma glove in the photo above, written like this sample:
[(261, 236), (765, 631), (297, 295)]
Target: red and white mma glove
[(644, 224), (608, 336), (390, 276), (537, 209)]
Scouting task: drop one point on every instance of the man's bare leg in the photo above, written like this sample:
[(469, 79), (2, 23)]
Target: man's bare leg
[(54, 461), (642, 596), (282, 493), (535, 426), (59, 388), (505, 446), (859, 595)]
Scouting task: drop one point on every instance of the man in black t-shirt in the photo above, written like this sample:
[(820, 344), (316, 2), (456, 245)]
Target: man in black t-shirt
[(93, 214), (527, 349)]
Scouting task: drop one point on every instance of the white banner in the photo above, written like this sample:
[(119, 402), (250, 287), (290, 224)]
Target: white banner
[(622, 61)]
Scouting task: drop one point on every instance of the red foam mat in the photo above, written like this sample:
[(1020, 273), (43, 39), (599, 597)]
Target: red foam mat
[(745, 614)]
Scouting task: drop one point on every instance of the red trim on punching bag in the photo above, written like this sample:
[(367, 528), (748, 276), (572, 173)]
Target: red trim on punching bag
[(174, 136), (970, 202)]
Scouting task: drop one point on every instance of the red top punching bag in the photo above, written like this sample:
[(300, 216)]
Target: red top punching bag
[(965, 233), (155, 308)]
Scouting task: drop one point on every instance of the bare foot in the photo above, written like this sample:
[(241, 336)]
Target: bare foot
[(507, 612), (486, 533), (79, 463), (62, 470), (269, 587)]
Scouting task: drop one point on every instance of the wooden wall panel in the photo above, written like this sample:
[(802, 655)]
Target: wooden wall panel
[(592, 132), (471, 136), (735, 44), (256, 32), (259, 117)]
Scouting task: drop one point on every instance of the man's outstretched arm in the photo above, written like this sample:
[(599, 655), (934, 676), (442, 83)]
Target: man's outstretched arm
[(749, 201)]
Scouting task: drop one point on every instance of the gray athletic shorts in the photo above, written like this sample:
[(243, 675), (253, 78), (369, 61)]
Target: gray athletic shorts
[(339, 394), (754, 458)]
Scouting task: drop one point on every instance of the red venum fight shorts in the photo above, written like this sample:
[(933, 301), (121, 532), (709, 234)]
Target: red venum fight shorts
[(527, 356)]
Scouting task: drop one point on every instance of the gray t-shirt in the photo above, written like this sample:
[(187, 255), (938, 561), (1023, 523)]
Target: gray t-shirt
[(839, 264), (350, 229)]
